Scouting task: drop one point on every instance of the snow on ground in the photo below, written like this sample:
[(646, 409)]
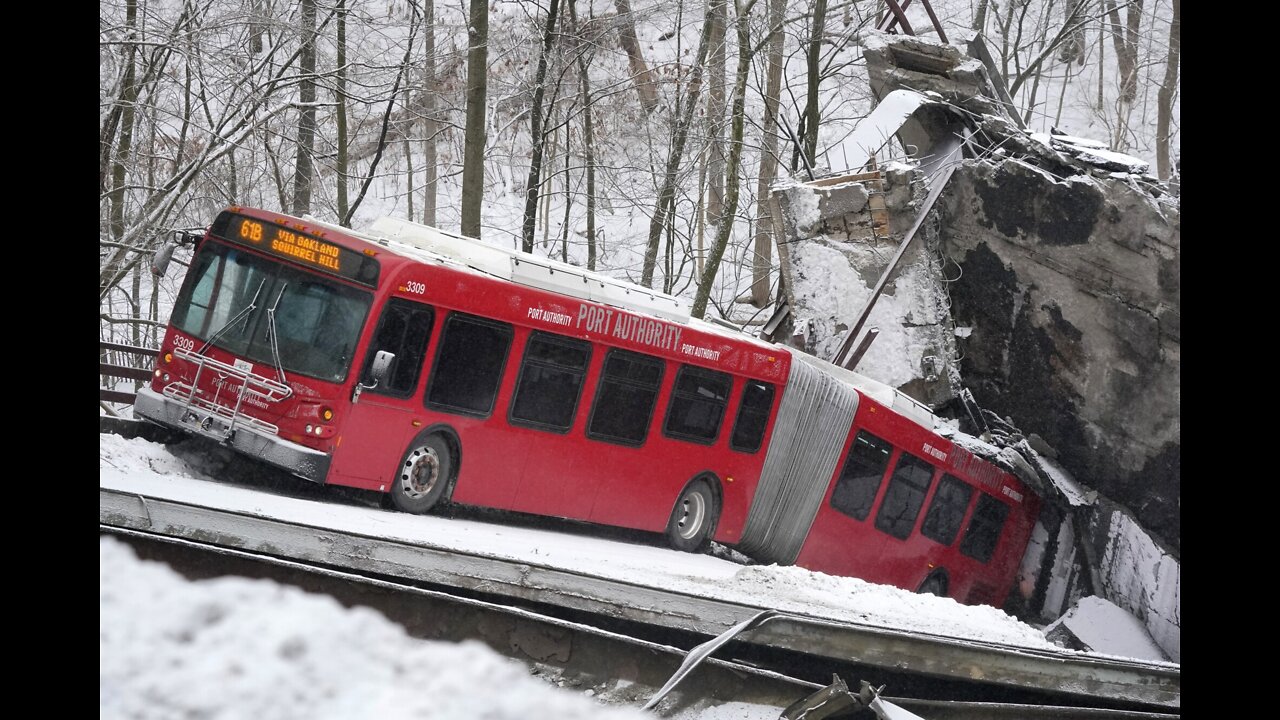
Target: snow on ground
[(233, 648), (148, 468)]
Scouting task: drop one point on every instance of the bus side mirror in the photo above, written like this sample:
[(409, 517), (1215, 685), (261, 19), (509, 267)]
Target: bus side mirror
[(381, 361), (160, 260)]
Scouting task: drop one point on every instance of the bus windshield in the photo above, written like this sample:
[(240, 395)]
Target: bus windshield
[(317, 321)]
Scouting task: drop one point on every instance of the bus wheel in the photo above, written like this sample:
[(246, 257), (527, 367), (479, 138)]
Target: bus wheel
[(935, 584), (694, 517), (423, 476)]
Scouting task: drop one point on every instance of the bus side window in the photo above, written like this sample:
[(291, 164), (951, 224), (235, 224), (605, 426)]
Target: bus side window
[(861, 475), (468, 366), (984, 529), (753, 416), (403, 329), (902, 501), (550, 382), (626, 394), (697, 404), (946, 512)]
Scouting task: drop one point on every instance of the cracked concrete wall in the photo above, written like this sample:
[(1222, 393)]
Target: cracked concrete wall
[(1070, 293), (832, 256)]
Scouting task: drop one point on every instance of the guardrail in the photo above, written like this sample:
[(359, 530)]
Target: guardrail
[(116, 353)]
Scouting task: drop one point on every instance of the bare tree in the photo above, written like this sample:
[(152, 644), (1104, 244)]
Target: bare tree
[(475, 132), (762, 258), (679, 135), (812, 111), (640, 73), (304, 168), (383, 136), (431, 159), (980, 17), (715, 112), (737, 115), (1164, 100), (1125, 40), (341, 95), (588, 141), (124, 143), (536, 138), (1126, 45), (248, 90)]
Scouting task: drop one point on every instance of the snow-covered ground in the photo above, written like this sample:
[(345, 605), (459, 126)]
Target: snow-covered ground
[(238, 648), (234, 648)]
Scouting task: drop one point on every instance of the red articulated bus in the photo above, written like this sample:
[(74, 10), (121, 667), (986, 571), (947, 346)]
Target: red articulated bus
[(410, 361)]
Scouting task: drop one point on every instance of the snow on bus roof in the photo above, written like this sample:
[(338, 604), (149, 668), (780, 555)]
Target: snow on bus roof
[(423, 242), (527, 269), (430, 244)]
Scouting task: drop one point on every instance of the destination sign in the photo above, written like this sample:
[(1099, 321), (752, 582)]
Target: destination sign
[(301, 247)]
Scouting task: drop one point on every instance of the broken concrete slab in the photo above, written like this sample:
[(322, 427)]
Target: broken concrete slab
[(1097, 625)]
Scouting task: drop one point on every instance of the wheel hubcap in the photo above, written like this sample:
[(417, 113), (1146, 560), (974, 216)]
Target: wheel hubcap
[(420, 474), (692, 510)]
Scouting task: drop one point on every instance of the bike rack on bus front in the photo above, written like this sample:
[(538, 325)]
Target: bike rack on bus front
[(195, 401)]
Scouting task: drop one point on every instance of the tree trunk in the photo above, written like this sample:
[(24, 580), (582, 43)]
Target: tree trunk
[(568, 198), (408, 171), (304, 168), (640, 74), (980, 17), (474, 134), (1164, 99), (124, 142), (680, 134), (762, 259), (708, 277), (535, 131), (1102, 60), (255, 27), (430, 126), (588, 142), (715, 111), (700, 214), (811, 109), (341, 80), (1126, 44)]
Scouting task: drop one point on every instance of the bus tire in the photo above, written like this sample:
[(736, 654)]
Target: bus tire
[(423, 476), (935, 584), (693, 519)]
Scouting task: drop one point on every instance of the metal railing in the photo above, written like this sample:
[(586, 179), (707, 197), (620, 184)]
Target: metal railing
[(110, 368)]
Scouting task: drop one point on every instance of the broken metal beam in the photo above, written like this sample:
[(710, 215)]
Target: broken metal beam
[(948, 165)]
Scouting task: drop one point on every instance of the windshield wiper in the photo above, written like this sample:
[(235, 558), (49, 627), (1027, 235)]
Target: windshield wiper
[(235, 319), (272, 335)]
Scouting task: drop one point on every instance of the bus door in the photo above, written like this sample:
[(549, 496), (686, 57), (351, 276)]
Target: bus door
[(387, 414)]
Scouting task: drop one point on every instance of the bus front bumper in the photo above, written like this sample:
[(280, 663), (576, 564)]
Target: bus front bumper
[(297, 459)]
